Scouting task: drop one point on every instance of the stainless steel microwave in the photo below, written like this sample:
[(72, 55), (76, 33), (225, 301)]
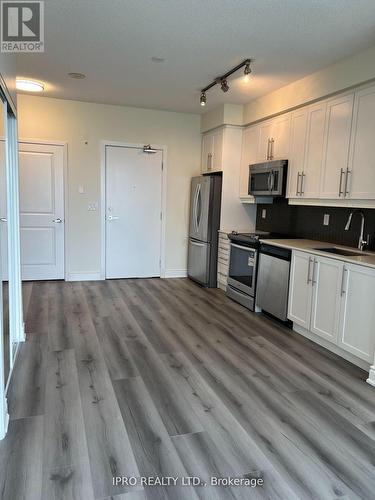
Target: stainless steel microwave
[(268, 178)]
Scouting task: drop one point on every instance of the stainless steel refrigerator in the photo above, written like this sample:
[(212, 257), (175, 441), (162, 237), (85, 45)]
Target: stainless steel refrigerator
[(205, 205)]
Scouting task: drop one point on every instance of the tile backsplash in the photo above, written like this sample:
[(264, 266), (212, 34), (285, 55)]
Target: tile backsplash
[(307, 222)]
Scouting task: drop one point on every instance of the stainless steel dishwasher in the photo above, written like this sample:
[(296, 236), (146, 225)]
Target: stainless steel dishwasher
[(273, 280)]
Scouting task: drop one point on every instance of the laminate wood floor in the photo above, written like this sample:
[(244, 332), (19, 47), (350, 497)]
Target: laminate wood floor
[(155, 378)]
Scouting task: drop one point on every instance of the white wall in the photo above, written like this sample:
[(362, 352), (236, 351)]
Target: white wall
[(76, 122)]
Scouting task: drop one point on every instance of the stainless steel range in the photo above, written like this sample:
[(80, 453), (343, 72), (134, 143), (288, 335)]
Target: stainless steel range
[(243, 264)]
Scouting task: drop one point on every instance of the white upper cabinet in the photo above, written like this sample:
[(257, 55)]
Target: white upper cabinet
[(336, 147), (212, 151), (357, 321), (361, 171), (207, 151), (310, 182), (306, 150), (297, 151), (274, 138), (250, 141), (280, 137), (264, 141)]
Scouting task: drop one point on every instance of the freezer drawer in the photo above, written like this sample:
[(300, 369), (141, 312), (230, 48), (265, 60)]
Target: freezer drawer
[(273, 285), (199, 261)]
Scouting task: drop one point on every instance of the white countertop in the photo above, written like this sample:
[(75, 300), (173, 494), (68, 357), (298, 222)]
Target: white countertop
[(312, 246)]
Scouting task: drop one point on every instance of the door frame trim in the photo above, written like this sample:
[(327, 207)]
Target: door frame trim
[(64, 144), (164, 150)]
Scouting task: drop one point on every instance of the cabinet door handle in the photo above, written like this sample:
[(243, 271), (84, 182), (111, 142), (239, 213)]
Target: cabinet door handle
[(208, 160), (346, 191), (342, 172), (297, 190), (314, 281), (272, 141), (343, 291), (308, 270), (268, 149), (302, 191)]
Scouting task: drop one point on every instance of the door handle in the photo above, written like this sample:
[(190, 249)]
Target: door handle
[(269, 180), (272, 180), (112, 217), (302, 192), (57, 221), (3, 219)]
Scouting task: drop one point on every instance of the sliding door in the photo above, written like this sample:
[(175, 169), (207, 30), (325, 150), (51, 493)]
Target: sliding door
[(11, 319)]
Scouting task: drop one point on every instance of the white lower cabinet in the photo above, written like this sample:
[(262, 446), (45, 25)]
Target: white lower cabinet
[(357, 321), (300, 292), (335, 301), (326, 286)]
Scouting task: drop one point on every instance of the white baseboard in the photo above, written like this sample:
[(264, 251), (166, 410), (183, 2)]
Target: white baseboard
[(371, 376), (84, 277), (175, 273)]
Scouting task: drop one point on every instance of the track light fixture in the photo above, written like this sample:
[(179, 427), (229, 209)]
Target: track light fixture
[(224, 85), (222, 80)]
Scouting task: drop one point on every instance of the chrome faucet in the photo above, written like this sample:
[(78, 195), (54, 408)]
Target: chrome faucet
[(361, 242)]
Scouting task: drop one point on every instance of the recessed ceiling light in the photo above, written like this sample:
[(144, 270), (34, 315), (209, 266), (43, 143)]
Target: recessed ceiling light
[(77, 76), (157, 59), (29, 85)]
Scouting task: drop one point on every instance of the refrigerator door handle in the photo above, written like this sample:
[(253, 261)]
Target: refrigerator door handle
[(197, 244), (195, 209), (199, 204)]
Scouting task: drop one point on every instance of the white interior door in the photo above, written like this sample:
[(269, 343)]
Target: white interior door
[(3, 213), (41, 171), (133, 181)]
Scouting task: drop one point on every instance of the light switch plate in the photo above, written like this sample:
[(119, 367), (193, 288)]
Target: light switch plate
[(264, 213), (92, 207), (326, 220)]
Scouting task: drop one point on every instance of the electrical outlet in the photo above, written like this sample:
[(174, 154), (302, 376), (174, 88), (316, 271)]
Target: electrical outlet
[(326, 220), (264, 213)]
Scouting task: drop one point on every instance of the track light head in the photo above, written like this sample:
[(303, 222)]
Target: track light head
[(224, 85), (247, 69), (203, 99)]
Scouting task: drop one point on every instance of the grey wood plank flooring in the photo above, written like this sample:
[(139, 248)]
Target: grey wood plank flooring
[(21, 459), (153, 448), (161, 377)]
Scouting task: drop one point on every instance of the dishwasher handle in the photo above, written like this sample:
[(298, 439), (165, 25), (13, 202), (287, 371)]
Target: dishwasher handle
[(277, 252)]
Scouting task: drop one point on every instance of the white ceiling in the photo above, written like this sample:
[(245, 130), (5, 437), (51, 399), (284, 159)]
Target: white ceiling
[(112, 42)]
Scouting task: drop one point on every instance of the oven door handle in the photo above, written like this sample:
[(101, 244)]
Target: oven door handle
[(243, 248)]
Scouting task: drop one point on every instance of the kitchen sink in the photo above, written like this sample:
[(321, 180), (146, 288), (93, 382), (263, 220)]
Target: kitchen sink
[(340, 251)]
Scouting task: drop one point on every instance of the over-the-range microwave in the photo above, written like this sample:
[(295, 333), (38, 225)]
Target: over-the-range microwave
[(268, 178)]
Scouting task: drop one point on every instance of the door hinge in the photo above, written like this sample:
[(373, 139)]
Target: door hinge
[(162, 165), (161, 215)]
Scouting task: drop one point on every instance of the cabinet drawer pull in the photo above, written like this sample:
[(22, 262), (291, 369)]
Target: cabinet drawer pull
[(343, 291)]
